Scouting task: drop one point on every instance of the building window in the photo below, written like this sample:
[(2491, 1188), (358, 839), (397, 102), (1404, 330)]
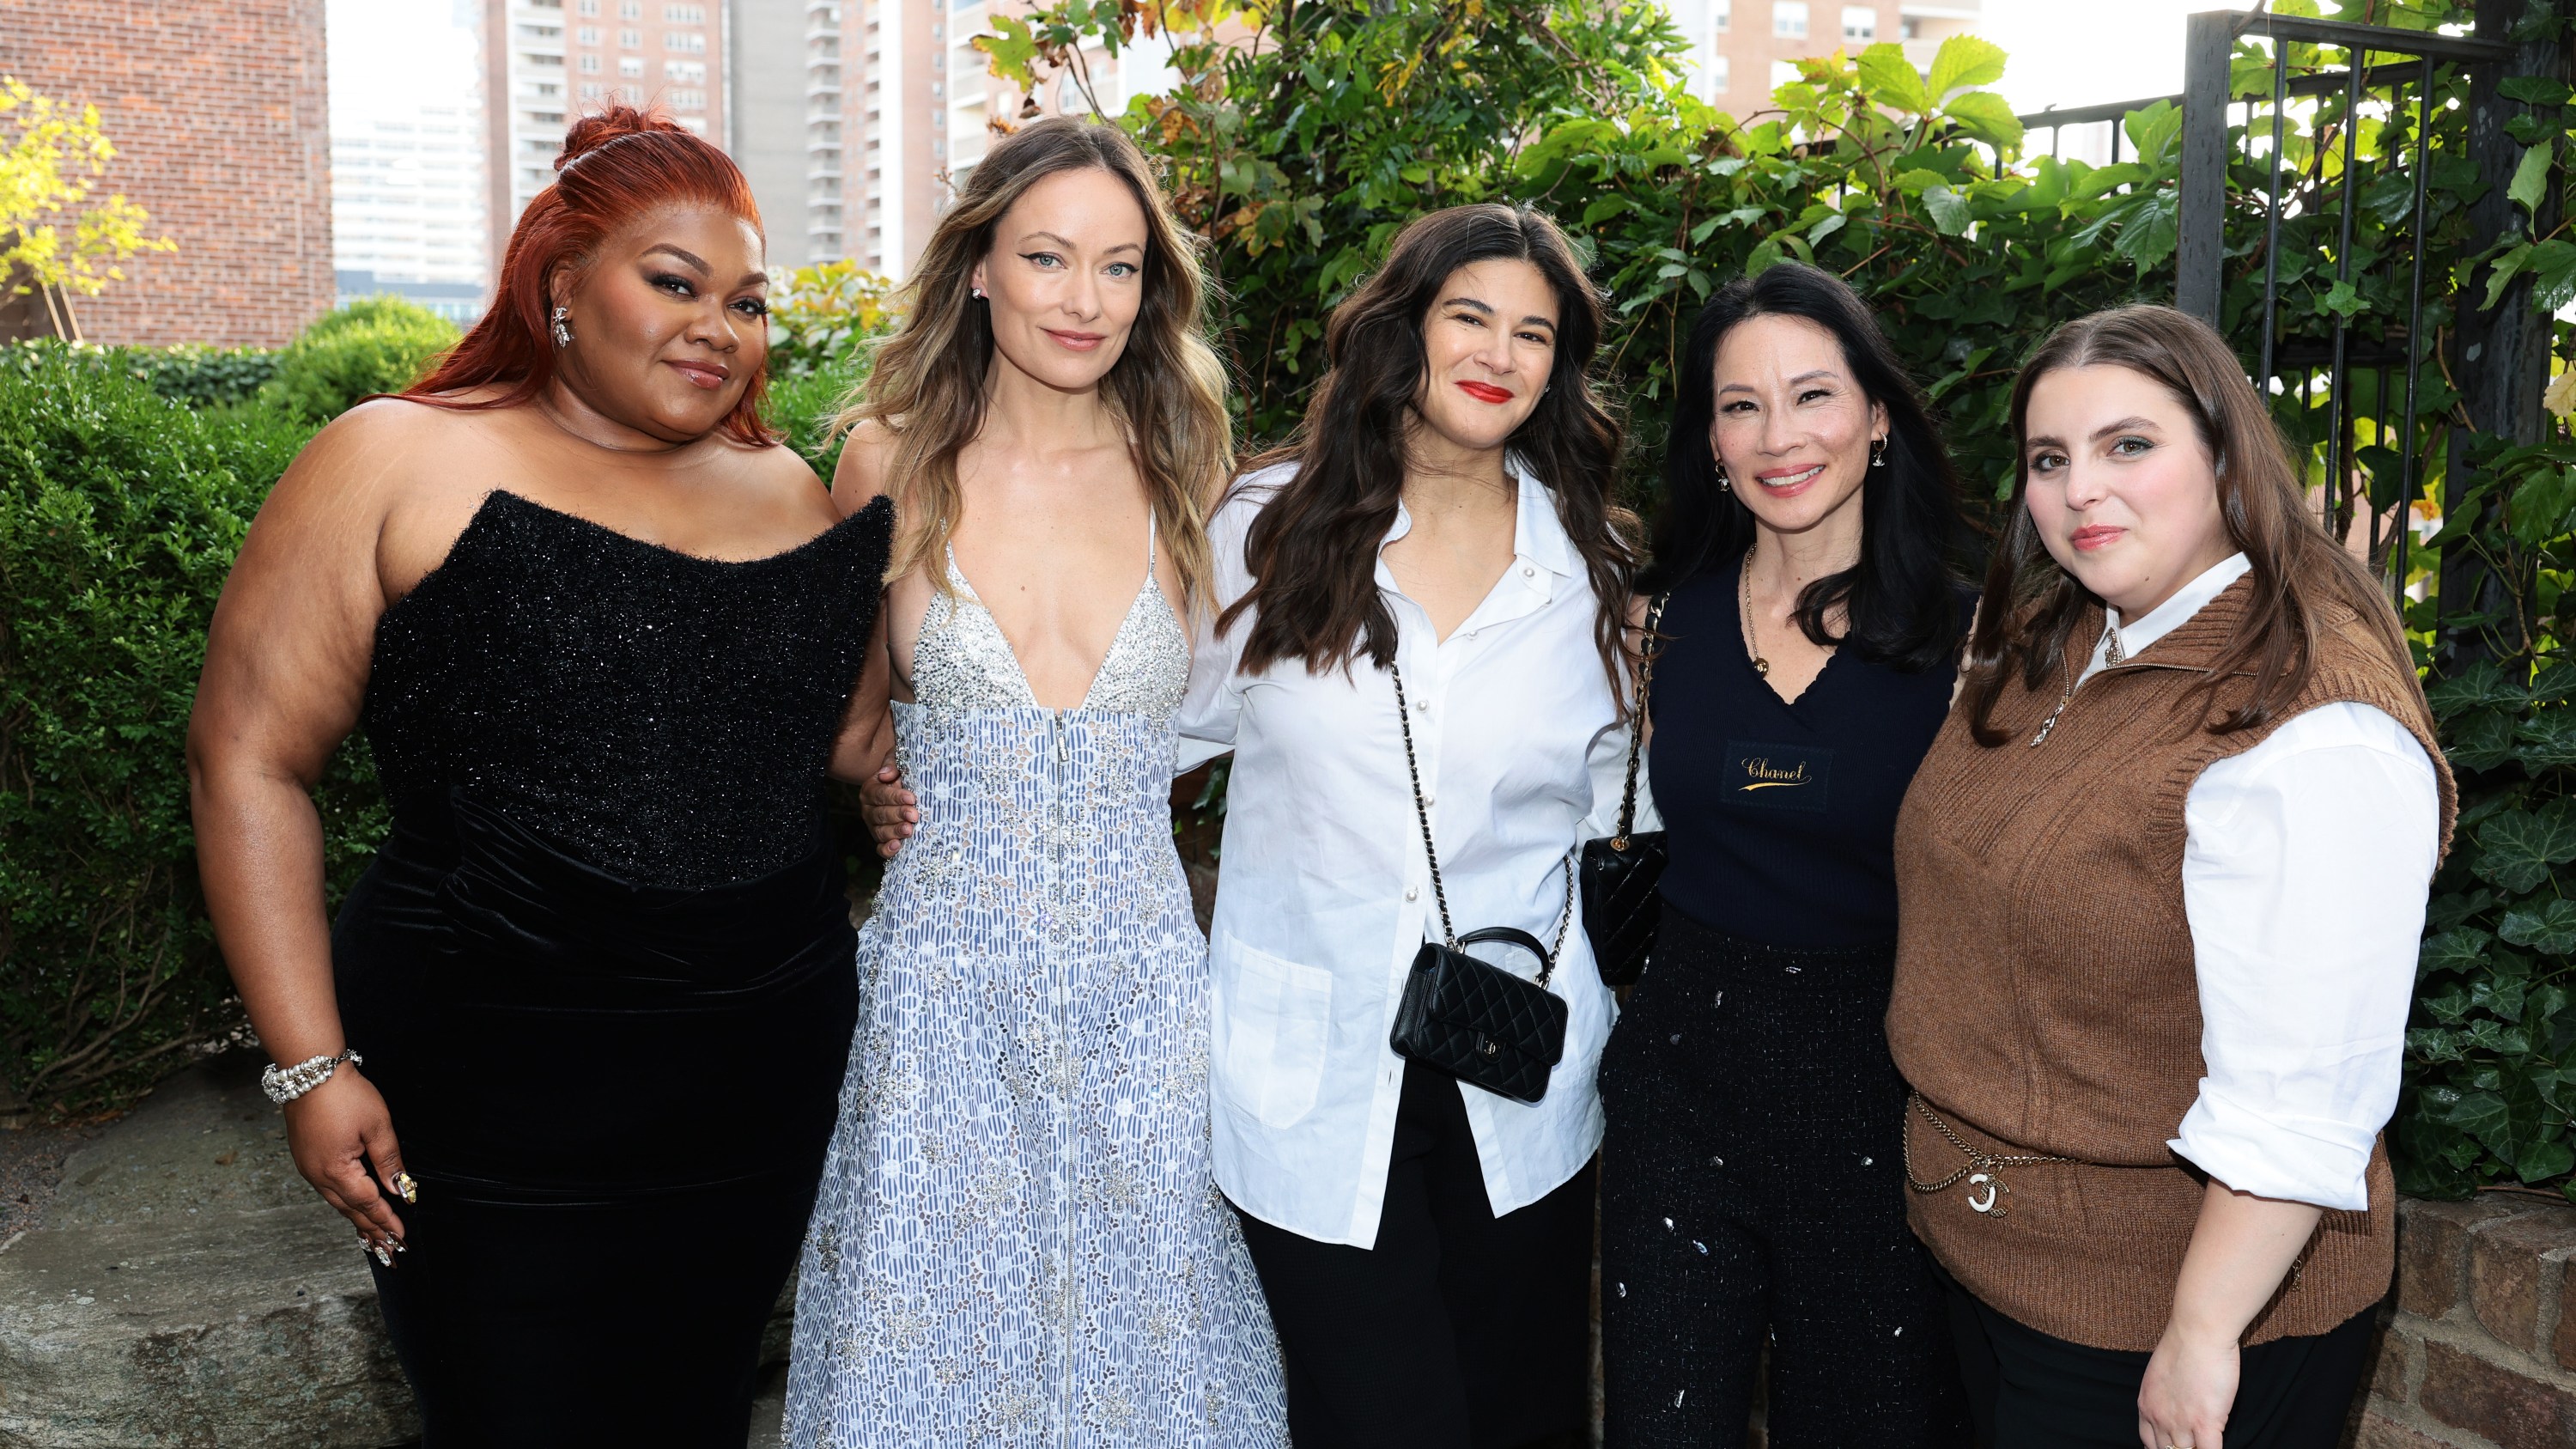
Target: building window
[(684, 15), (631, 66), (1721, 15), (685, 42), (1717, 76), (1860, 22), (1789, 19), (686, 100), (590, 65), (593, 91), (693, 72), (587, 35), (590, 7), (631, 95), (630, 9), (630, 40)]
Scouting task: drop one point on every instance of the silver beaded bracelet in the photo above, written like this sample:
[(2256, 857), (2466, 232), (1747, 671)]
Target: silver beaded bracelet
[(285, 1084)]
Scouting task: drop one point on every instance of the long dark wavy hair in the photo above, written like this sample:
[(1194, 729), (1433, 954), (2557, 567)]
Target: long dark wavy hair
[(1900, 601), (1312, 553), (2302, 579)]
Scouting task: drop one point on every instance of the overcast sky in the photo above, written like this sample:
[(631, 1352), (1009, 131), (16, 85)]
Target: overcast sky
[(391, 57)]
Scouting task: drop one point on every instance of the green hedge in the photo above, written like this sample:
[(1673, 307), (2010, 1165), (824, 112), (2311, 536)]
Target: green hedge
[(120, 512), (375, 344)]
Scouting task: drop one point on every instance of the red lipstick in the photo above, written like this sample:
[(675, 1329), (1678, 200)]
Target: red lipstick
[(1485, 392)]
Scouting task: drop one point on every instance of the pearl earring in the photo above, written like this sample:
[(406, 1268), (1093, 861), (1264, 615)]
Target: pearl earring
[(978, 291), (563, 334)]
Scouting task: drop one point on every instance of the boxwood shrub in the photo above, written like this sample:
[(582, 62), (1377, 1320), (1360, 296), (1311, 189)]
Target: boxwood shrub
[(120, 512)]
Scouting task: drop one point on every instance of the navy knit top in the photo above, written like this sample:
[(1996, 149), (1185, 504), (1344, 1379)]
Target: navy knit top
[(1781, 817)]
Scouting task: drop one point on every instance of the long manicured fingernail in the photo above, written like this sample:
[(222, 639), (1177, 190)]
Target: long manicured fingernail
[(409, 1189)]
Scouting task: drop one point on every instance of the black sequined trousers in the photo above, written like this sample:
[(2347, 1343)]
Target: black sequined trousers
[(1752, 1189)]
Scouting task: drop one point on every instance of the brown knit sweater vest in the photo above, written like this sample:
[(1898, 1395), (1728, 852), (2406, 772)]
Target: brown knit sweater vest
[(2046, 1001)]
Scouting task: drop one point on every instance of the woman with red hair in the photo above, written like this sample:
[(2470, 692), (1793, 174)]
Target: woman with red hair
[(602, 634)]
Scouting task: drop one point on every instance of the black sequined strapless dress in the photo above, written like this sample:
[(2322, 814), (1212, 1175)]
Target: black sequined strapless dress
[(603, 970)]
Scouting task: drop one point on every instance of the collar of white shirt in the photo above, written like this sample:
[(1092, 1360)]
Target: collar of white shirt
[(1541, 553), (2168, 616)]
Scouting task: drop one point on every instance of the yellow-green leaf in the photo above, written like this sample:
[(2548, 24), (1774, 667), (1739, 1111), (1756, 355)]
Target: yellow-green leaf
[(1962, 61)]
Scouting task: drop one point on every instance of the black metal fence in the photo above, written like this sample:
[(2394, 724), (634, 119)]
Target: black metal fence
[(2245, 201), (2373, 377)]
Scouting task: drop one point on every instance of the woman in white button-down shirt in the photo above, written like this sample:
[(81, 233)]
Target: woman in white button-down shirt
[(1448, 510)]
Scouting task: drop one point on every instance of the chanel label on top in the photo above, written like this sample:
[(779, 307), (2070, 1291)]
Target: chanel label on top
[(1778, 777)]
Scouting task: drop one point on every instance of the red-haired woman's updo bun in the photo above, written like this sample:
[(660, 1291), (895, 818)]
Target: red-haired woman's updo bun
[(617, 165)]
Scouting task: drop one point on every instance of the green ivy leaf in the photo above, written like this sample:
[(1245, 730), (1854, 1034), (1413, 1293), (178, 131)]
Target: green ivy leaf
[(2534, 90), (2482, 1115), (1964, 60), (2481, 685), (2507, 267), (2540, 1161), (1986, 116), (2480, 741), (2530, 181), (1951, 213), (2462, 948), (2547, 740), (1891, 80), (2517, 847)]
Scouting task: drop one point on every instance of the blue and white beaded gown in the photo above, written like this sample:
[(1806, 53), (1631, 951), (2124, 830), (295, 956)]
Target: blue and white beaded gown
[(1019, 1241)]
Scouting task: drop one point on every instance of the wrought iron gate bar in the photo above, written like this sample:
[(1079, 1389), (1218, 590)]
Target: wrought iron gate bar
[(2405, 525)]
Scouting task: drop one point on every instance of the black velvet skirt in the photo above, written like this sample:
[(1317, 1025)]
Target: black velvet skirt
[(616, 1100)]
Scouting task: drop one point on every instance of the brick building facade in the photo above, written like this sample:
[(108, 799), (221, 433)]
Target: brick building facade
[(222, 129)]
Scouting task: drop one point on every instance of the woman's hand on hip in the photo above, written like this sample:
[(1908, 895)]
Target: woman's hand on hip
[(2189, 1388), (890, 809), (337, 1131)]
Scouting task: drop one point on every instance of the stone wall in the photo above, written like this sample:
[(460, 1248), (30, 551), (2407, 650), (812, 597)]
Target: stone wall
[(222, 132), (2481, 1351)]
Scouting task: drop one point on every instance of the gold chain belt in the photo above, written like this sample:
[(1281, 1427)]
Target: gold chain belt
[(1983, 1172)]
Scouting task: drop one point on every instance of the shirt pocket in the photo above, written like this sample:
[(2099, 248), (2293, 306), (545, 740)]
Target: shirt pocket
[(1273, 1020)]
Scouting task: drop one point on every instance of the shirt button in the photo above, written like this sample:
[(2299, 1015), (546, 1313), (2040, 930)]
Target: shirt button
[(1413, 893), (1528, 572), (1430, 800)]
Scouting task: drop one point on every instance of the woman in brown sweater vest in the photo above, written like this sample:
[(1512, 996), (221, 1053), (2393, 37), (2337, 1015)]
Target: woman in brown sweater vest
[(2160, 880)]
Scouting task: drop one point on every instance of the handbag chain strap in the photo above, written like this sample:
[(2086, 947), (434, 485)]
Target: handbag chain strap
[(1422, 813), (1647, 649)]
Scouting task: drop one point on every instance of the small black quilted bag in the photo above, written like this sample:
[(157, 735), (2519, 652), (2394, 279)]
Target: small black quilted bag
[(1486, 1026), (1620, 907)]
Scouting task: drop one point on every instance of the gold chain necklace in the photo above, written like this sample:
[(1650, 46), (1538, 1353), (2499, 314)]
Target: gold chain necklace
[(1744, 615)]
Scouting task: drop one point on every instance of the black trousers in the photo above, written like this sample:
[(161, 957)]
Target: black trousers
[(2029, 1390), (1458, 1330), (1753, 1195)]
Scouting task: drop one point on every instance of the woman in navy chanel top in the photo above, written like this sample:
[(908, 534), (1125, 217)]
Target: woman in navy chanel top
[(1751, 1176)]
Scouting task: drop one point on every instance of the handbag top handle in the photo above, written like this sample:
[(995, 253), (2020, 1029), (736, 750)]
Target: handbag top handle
[(1647, 648), (1422, 814)]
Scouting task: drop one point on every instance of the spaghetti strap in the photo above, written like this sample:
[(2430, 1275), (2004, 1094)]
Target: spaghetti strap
[(1149, 543)]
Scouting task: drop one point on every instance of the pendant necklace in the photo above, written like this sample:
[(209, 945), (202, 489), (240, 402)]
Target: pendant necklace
[(1744, 614)]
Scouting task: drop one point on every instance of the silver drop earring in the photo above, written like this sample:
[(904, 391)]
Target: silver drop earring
[(563, 334), (1878, 454), (1724, 484)]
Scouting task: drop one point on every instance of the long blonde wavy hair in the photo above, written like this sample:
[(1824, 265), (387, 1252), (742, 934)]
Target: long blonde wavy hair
[(1167, 389)]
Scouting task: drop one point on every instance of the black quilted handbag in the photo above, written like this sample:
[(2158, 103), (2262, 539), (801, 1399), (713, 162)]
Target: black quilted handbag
[(1620, 872), (1486, 1026)]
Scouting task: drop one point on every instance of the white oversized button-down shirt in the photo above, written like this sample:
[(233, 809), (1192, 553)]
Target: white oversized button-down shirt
[(1326, 891), (2305, 865)]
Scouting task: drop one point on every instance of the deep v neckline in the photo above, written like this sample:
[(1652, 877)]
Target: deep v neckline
[(1126, 623)]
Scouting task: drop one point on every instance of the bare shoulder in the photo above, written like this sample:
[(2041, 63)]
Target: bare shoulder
[(861, 476)]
